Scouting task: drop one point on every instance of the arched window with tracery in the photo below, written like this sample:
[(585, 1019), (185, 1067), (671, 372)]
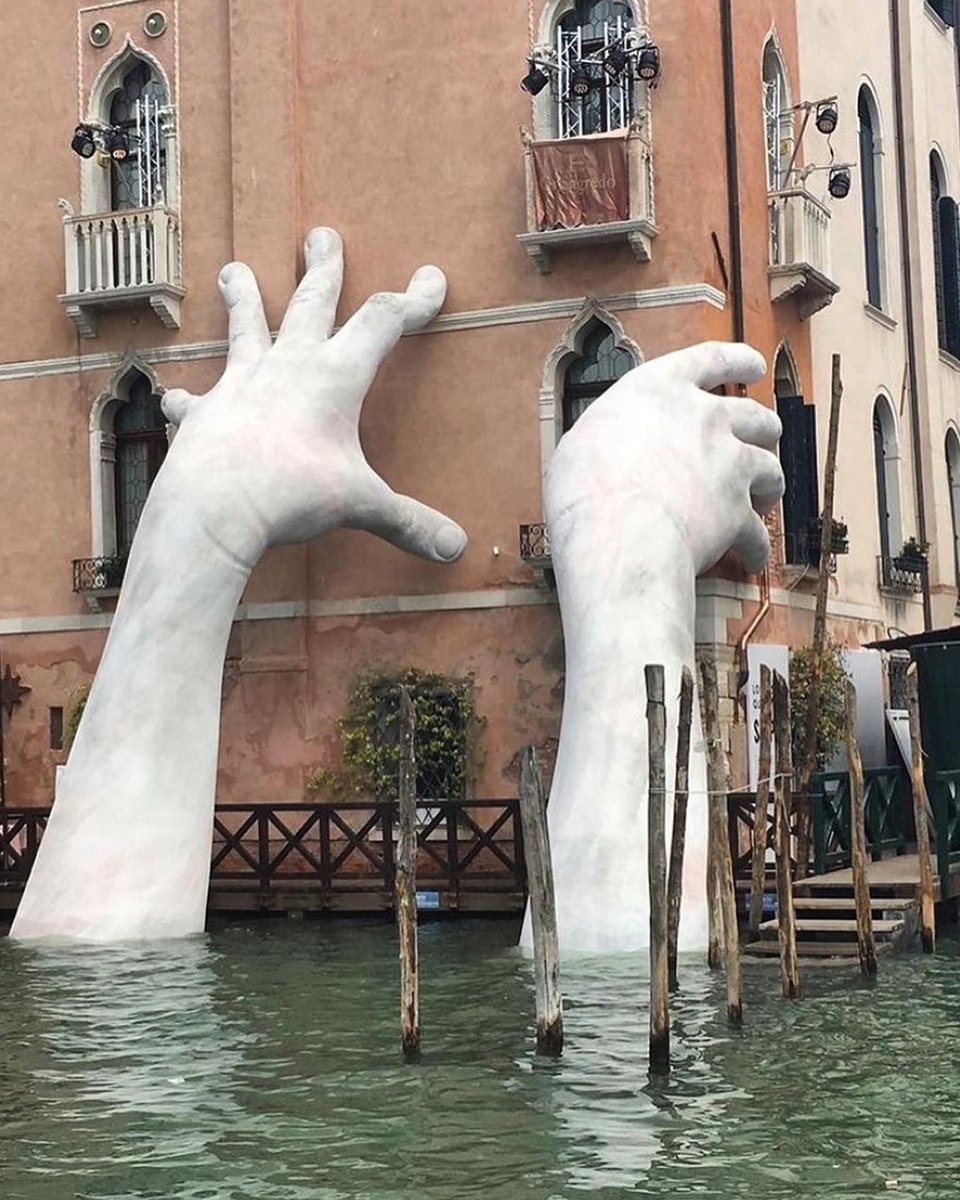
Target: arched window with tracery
[(871, 195), (601, 363), (585, 31), (136, 107), (140, 429), (777, 118)]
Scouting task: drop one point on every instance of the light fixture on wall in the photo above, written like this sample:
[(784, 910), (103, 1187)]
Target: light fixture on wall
[(116, 143), (838, 183), (535, 80), (83, 141), (827, 116), (629, 55)]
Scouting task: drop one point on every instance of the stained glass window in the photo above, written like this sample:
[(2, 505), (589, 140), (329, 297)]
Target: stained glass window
[(600, 364), (141, 432)]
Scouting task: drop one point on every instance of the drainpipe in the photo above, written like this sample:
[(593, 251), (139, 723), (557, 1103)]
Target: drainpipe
[(733, 169), (908, 302)]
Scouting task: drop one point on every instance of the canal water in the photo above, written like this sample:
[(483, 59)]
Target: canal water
[(262, 1061)]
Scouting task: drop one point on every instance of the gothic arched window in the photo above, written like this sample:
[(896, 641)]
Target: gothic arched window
[(584, 32), (886, 458), (777, 118), (141, 434), (139, 180), (798, 457), (953, 478), (600, 364)]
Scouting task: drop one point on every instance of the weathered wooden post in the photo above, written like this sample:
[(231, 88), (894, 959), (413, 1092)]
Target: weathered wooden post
[(918, 787), (758, 849), (543, 905), (782, 791), (681, 791), (406, 882), (858, 840), (657, 869), (717, 788)]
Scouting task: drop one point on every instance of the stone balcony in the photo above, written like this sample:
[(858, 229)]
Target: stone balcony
[(800, 251), (122, 259), (608, 179)]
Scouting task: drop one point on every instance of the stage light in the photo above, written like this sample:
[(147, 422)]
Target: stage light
[(535, 80), (580, 81), (615, 62), (648, 63), (839, 182), (82, 142), (827, 117)]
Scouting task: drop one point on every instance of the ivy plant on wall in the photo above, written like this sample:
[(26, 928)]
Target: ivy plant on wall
[(446, 725)]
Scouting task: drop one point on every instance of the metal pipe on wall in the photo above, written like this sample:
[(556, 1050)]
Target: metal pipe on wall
[(733, 169), (896, 58)]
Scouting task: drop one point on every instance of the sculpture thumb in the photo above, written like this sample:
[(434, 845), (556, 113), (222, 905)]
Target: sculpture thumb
[(176, 403), (412, 526)]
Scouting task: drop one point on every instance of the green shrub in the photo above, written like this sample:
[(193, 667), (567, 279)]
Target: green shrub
[(831, 722)]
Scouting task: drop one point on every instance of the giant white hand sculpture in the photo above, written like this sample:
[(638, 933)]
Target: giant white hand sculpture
[(271, 455), (655, 482)]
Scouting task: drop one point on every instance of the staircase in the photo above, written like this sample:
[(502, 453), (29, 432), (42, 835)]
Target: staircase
[(826, 920)]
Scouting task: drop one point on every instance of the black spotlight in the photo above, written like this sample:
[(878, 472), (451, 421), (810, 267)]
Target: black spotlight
[(839, 182), (615, 62), (580, 81), (535, 80), (827, 117), (116, 144), (82, 142), (648, 63)]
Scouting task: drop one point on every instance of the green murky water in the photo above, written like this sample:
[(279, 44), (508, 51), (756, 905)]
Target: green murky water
[(262, 1061)]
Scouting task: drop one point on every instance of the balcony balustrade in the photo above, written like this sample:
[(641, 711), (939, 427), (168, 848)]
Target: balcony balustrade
[(901, 576), (122, 258), (800, 251), (535, 546), (101, 576), (588, 191)]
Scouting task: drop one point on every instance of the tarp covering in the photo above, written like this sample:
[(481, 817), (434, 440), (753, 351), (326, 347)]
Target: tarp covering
[(581, 181)]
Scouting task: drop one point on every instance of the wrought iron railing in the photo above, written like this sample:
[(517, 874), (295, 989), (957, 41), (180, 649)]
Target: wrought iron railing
[(98, 574), (333, 848), (901, 576), (887, 815), (535, 545)]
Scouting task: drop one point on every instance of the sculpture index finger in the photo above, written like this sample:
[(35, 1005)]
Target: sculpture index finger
[(710, 365), (249, 336)]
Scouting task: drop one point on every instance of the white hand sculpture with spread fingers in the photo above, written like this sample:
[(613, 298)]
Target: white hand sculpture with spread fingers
[(271, 455), (653, 485)]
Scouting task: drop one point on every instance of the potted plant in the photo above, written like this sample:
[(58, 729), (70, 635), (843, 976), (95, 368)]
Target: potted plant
[(912, 556), (839, 541)]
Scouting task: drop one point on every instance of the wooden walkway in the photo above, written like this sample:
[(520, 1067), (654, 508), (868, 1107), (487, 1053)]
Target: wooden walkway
[(826, 911)]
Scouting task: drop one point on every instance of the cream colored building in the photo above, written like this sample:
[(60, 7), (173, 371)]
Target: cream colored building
[(893, 68)]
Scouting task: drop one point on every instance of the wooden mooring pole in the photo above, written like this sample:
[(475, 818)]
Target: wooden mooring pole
[(717, 788), (406, 883), (758, 849), (918, 787), (858, 840), (782, 791), (657, 869), (543, 905), (678, 836)]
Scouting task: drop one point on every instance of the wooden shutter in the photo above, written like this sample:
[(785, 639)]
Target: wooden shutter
[(798, 457), (950, 266)]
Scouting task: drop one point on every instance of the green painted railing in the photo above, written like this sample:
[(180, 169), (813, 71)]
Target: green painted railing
[(945, 798), (887, 813)]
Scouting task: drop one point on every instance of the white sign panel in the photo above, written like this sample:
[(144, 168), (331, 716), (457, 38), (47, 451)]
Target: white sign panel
[(777, 658), (865, 668)]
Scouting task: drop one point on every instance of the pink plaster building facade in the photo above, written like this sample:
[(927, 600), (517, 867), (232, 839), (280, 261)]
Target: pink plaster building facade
[(400, 126)]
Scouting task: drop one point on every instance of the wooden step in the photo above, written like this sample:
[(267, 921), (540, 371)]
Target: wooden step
[(842, 950), (839, 926), (887, 903)]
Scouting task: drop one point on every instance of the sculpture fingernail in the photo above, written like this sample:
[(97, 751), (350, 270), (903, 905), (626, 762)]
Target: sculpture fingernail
[(449, 542)]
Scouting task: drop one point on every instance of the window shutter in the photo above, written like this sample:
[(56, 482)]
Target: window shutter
[(798, 457), (937, 255), (950, 266)]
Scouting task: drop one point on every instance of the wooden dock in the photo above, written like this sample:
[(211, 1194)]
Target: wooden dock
[(304, 858), (825, 907)]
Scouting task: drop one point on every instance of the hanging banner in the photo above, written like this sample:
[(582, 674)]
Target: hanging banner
[(581, 181)]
